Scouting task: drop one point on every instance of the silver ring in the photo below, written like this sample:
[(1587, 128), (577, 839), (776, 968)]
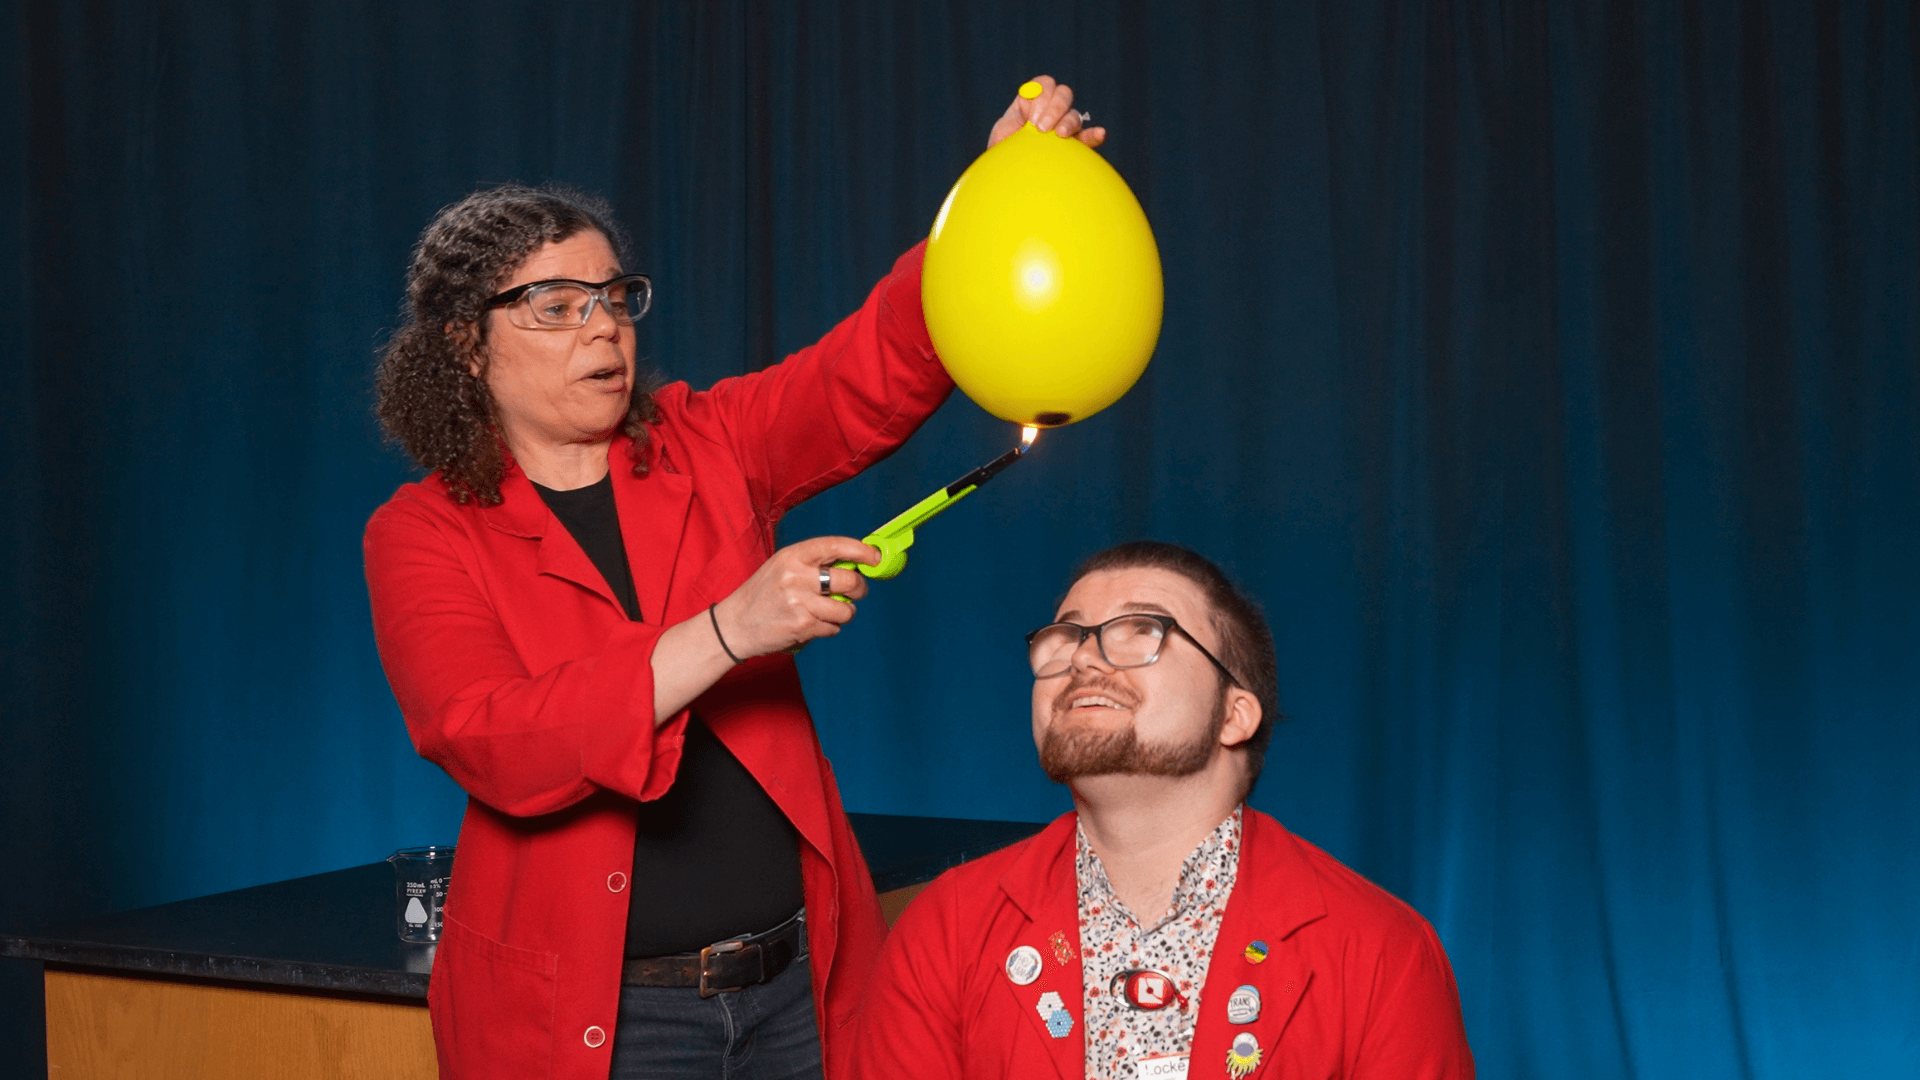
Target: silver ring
[(826, 581), (1086, 118)]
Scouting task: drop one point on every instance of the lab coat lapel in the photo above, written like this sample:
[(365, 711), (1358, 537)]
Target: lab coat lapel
[(656, 514), (736, 709), (653, 513), (1275, 893), (653, 520), (1042, 884), (522, 512)]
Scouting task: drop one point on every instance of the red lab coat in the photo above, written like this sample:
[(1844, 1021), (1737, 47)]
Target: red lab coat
[(1354, 985), (520, 675)]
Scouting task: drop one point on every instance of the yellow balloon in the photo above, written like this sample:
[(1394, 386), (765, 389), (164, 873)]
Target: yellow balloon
[(1042, 282)]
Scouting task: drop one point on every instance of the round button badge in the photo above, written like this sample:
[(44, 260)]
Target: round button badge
[(1023, 965)]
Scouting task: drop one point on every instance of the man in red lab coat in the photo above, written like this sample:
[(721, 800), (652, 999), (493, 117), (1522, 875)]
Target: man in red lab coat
[(1163, 929)]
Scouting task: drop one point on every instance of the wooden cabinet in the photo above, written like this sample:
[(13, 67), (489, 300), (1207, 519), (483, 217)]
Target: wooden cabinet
[(306, 978), (115, 1026)]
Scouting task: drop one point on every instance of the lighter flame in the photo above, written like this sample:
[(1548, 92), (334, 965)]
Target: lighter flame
[(1027, 434)]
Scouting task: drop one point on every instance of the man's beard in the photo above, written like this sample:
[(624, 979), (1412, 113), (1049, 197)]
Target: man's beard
[(1065, 755)]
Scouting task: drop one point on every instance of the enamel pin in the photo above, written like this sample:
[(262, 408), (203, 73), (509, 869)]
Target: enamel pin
[(1256, 952), (1243, 1055), (1023, 965), (1243, 1005), (1063, 950), (1054, 1012)]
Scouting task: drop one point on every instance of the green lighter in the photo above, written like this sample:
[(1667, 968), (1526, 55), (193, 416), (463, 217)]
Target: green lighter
[(896, 536)]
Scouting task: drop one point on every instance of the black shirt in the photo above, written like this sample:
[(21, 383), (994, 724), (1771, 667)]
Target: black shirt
[(713, 858)]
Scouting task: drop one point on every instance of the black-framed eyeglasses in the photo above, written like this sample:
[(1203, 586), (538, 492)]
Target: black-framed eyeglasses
[(1125, 641), (563, 303)]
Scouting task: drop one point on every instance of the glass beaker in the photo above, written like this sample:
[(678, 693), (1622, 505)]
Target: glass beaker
[(420, 877)]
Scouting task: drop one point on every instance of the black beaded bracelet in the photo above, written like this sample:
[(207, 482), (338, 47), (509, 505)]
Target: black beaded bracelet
[(716, 633)]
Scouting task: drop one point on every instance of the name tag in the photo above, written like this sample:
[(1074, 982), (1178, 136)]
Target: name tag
[(1161, 1067)]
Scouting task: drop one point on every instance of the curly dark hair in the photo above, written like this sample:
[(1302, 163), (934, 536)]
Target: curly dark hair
[(427, 398)]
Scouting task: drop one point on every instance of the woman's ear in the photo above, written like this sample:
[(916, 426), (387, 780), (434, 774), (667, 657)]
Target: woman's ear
[(466, 341)]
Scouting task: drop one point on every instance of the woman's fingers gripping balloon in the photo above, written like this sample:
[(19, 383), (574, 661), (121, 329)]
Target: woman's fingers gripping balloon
[(781, 605), (1077, 124), (1048, 106)]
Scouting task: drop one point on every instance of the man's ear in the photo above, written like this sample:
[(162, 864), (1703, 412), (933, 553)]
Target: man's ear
[(1243, 717)]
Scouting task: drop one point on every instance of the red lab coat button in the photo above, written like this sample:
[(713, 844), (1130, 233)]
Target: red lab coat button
[(616, 881), (595, 1036)]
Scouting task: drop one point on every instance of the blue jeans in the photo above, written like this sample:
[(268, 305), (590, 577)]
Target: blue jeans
[(763, 1032)]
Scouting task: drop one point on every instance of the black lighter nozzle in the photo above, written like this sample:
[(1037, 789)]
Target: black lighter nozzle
[(985, 472)]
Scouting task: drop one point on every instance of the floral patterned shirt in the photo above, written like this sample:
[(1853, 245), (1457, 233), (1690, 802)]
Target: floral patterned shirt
[(1112, 942)]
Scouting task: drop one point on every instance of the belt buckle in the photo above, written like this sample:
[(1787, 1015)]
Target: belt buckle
[(723, 948)]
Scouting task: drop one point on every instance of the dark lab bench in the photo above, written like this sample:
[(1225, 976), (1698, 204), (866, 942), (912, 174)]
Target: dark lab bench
[(326, 943)]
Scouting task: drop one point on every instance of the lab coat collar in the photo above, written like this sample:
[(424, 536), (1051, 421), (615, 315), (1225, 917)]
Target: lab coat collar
[(653, 513)]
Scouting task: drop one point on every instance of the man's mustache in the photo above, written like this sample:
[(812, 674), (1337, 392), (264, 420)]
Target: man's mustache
[(1098, 684)]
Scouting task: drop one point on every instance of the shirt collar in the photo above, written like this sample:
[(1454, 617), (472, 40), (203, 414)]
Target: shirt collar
[(1208, 870)]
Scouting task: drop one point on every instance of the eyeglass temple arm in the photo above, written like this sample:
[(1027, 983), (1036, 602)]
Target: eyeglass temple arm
[(896, 536)]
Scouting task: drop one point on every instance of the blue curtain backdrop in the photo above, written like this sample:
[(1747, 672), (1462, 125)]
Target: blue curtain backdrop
[(1550, 371)]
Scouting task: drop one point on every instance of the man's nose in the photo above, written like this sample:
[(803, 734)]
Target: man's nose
[(1087, 656)]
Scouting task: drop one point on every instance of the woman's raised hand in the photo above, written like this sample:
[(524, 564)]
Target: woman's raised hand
[(782, 606), (1050, 110)]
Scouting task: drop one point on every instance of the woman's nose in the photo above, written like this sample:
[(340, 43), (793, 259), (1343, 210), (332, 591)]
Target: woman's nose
[(600, 321)]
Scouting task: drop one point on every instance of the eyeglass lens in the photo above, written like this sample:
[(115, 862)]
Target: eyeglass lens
[(566, 304), (1128, 641)]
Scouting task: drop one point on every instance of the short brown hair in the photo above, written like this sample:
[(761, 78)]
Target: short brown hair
[(1246, 642), (426, 397)]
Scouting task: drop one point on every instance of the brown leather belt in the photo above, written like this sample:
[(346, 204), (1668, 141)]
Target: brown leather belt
[(727, 966)]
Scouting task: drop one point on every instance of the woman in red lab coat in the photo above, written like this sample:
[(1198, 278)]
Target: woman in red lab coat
[(585, 620)]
